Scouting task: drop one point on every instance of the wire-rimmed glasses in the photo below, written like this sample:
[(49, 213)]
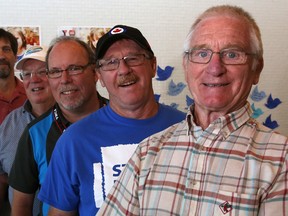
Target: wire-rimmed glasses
[(113, 63), (227, 56), (27, 75), (72, 70)]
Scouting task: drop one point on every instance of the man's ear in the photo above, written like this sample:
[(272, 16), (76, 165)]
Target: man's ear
[(185, 65), (154, 66), (99, 77), (95, 74), (258, 70)]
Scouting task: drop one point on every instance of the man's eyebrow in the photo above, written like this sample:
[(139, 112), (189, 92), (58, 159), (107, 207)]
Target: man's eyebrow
[(6, 46), (201, 46)]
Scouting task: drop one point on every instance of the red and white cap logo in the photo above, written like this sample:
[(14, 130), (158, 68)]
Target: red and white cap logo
[(117, 30)]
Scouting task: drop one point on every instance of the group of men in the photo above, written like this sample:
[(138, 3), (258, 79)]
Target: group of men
[(214, 160)]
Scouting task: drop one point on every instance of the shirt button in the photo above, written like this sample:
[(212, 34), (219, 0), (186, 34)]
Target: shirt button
[(193, 183)]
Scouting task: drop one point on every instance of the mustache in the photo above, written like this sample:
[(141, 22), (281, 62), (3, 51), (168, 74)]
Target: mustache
[(128, 78), (4, 62), (67, 88)]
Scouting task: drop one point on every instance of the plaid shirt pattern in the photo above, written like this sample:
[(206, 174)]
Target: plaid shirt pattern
[(236, 166)]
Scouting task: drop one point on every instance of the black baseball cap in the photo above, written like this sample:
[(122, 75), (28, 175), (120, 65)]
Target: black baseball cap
[(120, 32)]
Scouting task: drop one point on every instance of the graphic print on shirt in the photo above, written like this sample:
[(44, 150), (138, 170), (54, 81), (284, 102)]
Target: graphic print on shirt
[(225, 207), (114, 159)]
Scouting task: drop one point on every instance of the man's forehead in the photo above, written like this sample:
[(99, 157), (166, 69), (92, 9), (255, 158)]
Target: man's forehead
[(4, 42), (133, 46), (221, 28), (67, 47), (32, 62), (220, 23)]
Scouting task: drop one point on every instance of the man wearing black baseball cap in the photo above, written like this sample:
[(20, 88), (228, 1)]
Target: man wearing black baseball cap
[(126, 65)]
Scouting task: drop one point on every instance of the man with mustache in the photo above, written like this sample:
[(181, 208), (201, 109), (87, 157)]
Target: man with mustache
[(12, 92), (72, 78), (90, 155)]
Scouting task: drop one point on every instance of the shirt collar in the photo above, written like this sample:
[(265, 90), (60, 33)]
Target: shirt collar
[(28, 106), (62, 119), (224, 124)]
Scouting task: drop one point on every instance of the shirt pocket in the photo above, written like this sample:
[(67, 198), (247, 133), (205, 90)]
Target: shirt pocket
[(232, 204)]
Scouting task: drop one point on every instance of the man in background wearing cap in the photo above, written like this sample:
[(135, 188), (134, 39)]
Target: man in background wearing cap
[(72, 78), (40, 100), (90, 155), (12, 92)]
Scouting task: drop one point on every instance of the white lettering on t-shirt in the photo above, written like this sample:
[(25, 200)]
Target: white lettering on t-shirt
[(114, 160)]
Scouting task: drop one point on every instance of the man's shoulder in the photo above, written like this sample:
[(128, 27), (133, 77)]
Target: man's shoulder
[(94, 119), (16, 113), (16, 119), (266, 133)]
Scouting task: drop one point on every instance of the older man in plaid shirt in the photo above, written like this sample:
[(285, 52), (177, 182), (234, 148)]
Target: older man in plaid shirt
[(219, 161)]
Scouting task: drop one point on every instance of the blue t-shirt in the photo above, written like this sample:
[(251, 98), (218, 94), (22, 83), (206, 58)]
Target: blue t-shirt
[(90, 155)]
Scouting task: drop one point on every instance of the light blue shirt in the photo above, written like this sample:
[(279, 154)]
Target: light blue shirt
[(10, 132)]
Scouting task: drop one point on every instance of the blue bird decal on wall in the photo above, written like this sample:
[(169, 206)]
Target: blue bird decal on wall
[(189, 101), (157, 97), (175, 89), (256, 95), (272, 103), (164, 74), (270, 124), (256, 111)]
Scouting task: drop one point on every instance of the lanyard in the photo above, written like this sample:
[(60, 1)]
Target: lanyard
[(58, 121), (62, 127)]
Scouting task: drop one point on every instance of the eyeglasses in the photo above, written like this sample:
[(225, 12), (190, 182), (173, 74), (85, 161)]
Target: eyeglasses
[(113, 63), (228, 56), (27, 75), (71, 70)]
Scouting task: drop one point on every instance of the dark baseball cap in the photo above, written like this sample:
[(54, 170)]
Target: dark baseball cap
[(120, 32)]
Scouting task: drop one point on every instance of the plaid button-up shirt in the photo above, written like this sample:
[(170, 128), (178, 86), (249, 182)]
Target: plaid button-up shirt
[(236, 166)]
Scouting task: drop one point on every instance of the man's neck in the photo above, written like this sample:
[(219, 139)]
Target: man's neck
[(143, 111), (39, 109), (81, 112)]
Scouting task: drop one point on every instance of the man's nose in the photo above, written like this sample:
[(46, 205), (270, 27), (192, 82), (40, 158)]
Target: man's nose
[(215, 65), (123, 67)]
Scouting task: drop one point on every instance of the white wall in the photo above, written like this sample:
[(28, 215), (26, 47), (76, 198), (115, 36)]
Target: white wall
[(165, 24)]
